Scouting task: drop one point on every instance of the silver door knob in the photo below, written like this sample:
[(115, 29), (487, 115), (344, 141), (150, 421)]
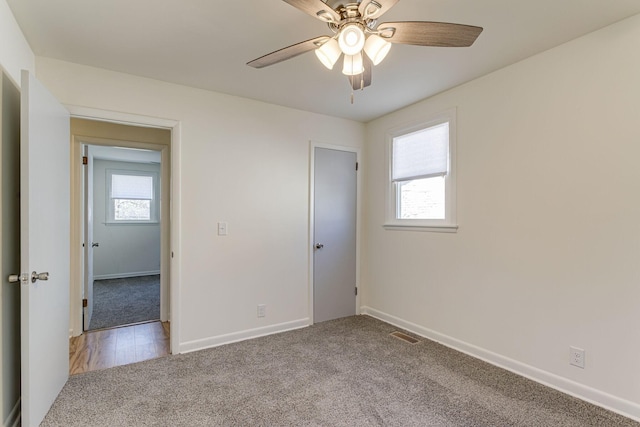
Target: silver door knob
[(95, 245), (319, 246), (39, 276)]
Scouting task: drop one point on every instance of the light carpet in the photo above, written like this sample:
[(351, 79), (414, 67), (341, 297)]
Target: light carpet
[(125, 301), (346, 372)]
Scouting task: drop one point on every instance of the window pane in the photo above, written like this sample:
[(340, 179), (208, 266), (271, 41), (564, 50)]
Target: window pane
[(131, 187), (421, 199), (132, 210)]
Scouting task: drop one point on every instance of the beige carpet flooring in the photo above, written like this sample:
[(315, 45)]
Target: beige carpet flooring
[(346, 372)]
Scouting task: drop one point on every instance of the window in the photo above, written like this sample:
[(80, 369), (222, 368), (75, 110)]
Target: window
[(421, 176), (132, 196)]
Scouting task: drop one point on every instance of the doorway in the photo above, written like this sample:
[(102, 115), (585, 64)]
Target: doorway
[(102, 150), (128, 152), (334, 232)]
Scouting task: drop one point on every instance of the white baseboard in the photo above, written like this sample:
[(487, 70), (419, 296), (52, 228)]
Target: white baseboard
[(125, 275), (581, 391), (13, 419), (216, 341)]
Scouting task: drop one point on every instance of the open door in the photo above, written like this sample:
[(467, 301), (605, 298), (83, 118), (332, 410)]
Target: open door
[(44, 255), (88, 239)]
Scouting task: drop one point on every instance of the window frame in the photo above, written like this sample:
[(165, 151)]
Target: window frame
[(154, 205), (449, 223)]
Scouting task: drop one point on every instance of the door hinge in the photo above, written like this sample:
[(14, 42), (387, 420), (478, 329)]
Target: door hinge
[(356, 290), (85, 160), (356, 165), (85, 302)]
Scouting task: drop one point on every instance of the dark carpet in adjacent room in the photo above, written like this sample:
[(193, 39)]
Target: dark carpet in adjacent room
[(346, 372), (120, 302)]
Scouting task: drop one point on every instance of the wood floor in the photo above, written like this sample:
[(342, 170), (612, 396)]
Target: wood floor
[(107, 348)]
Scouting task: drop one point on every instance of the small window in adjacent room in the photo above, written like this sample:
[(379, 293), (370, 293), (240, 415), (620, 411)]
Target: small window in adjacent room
[(132, 196), (421, 176)]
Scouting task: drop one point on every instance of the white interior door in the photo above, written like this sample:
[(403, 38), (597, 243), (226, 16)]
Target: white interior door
[(88, 237), (335, 210), (44, 227)]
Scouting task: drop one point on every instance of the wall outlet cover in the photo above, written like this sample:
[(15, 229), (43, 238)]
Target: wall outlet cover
[(576, 357), (262, 310)]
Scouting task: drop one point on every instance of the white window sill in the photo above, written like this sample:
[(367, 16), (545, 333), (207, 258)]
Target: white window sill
[(414, 227)]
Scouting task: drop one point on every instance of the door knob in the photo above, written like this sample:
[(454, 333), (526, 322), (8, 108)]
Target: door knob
[(95, 245), (39, 276), (319, 246)]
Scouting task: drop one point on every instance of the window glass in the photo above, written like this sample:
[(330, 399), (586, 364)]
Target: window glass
[(421, 198), (131, 210)]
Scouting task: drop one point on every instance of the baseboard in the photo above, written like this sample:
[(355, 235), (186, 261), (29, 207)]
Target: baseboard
[(216, 341), (13, 419), (125, 275), (605, 400)]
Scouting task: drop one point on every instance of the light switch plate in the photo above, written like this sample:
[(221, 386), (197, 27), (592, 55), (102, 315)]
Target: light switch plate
[(222, 229)]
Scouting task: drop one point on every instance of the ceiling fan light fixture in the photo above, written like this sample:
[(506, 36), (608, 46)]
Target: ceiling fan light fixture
[(329, 53), (351, 39), (376, 48), (353, 65)]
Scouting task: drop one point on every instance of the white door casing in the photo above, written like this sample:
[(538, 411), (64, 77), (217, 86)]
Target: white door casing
[(334, 233), (170, 240), (45, 227)]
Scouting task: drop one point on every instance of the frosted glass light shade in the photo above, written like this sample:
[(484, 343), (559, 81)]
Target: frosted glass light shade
[(351, 39), (353, 65), (329, 53), (376, 48)]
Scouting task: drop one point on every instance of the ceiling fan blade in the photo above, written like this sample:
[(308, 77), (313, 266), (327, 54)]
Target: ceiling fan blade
[(421, 33), (288, 52), (317, 9), (372, 9), (362, 80)]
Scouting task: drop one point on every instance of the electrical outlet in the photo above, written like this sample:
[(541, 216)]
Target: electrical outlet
[(576, 357), (262, 310)]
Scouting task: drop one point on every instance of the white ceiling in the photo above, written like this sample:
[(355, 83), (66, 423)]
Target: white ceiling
[(206, 44)]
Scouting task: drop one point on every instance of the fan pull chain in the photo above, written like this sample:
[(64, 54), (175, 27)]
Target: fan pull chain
[(351, 78)]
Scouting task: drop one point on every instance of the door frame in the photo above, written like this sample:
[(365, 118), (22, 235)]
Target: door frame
[(312, 157), (170, 240)]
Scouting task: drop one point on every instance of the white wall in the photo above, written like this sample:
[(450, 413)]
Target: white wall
[(15, 53), (547, 251), (241, 161), (126, 250)]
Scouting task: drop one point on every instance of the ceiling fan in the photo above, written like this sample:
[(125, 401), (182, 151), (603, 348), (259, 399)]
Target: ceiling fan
[(363, 41)]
